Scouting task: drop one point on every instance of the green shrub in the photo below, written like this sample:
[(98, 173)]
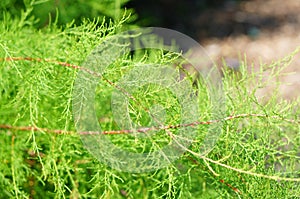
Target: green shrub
[(257, 154), (66, 11)]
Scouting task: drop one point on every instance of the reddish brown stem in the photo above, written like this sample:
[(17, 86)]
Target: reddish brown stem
[(140, 130)]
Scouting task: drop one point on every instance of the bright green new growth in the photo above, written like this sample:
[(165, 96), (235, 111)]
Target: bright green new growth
[(255, 156)]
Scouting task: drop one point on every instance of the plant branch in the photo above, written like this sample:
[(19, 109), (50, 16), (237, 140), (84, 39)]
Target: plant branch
[(154, 128)]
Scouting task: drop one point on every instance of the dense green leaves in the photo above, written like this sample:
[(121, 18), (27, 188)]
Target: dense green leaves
[(256, 155)]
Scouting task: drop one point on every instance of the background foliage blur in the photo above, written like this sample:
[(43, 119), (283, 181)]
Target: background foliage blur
[(178, 15), (65, 11)]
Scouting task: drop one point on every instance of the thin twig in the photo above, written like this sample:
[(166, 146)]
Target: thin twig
[(143, 129)]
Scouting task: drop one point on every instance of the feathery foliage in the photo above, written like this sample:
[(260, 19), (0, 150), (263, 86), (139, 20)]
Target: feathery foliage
[(257, 154)]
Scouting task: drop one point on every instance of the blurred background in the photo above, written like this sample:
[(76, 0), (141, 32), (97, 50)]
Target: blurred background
[(252, 31)]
